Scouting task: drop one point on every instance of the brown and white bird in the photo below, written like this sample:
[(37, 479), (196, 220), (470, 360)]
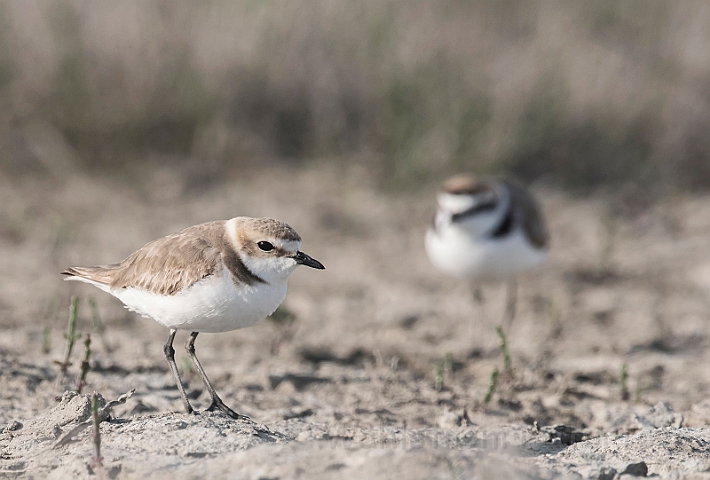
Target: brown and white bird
[(486, 230), (212, 277)]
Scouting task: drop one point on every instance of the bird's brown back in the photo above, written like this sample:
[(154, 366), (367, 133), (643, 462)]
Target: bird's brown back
[(166, 265)]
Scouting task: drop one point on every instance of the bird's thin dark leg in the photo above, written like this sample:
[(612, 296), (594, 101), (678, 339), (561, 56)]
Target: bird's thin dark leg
[(170, 355), (216, 401), (511, 303)]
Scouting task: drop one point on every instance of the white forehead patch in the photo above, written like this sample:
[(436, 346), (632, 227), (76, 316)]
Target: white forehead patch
[(455, 203), (232, 232)]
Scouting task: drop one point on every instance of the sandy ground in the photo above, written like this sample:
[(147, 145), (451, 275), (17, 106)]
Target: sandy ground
[(347, 385)]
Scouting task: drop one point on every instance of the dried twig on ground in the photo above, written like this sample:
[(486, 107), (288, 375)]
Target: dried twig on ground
[(103, 414)]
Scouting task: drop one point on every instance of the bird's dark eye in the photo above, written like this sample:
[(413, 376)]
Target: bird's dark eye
[(265, 246)]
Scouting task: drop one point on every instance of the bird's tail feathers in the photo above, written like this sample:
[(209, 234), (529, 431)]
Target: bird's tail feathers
[(99, 276)]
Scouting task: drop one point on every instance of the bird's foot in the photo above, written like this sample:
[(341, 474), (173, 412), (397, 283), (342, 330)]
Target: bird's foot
[(217, 403), (188, 407)]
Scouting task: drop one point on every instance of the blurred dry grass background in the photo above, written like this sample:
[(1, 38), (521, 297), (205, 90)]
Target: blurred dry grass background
[(578, 94)]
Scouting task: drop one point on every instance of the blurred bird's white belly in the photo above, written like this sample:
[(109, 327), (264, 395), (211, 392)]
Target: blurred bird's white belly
[(457, 253), (214, 304)]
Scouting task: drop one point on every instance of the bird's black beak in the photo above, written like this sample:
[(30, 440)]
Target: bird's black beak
[(303, 259)]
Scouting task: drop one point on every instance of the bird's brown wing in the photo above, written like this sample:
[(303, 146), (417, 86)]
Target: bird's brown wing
[(167, 265), (531, 219)]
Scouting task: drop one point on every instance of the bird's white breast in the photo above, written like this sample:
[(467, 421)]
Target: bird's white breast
[(214, 304), (456, 251)]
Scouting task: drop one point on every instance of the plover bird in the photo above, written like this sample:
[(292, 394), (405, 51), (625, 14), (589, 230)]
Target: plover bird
[(486, 230), (212, 277)]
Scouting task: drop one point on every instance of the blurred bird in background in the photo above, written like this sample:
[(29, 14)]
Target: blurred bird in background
[(487, 230)]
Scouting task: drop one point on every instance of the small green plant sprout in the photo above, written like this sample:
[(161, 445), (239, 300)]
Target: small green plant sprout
[(624, 380), (186, 365), (449, 364), (444, 371), (282, 316), (97, 460), (46, 340), (507, 362), (99, 327), (439, 377), (71, 337), (84, 364), (492, 382)]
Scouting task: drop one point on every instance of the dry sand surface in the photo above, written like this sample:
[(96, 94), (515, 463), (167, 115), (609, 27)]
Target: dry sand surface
[(346, 385)]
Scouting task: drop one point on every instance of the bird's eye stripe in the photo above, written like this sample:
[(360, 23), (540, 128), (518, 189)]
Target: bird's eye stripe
[(265, 246)]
